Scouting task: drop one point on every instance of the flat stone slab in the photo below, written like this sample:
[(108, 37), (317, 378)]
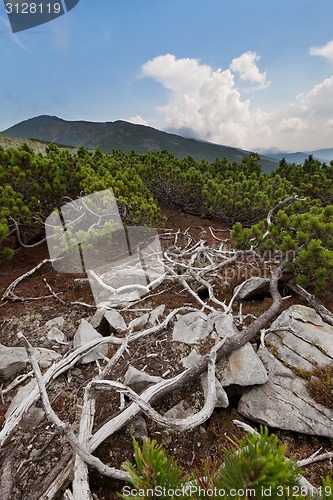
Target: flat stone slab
[(192, 327), (283, 402)]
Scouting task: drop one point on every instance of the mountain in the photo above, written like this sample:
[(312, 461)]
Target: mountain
[(323, 155), (125, 136)]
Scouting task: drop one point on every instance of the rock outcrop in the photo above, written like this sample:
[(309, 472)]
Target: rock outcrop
[(301, 340)]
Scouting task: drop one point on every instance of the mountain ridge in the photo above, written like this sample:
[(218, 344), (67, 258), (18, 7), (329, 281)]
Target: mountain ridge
[(125, 136)]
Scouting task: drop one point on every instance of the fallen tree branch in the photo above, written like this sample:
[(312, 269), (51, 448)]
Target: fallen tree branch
[(65, 428), (183, 424)]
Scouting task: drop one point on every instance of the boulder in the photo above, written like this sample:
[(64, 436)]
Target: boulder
[(303, 341), (155, 314), (284, 403), (192, 327), (139, 322), (85, 334)]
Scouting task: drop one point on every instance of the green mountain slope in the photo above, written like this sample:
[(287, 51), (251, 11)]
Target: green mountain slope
[(125, 137)]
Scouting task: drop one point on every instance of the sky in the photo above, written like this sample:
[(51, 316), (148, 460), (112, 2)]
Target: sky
[(254, 74)]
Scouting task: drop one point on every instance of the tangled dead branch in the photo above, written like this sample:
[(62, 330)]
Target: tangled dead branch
[(192, 265)]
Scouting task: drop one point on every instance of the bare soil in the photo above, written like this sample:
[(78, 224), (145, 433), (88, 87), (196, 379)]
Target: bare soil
[(38, 447)]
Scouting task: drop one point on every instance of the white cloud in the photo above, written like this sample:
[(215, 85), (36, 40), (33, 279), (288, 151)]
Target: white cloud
[(324, 51), (137, 120), (246, 66), (205, 101)]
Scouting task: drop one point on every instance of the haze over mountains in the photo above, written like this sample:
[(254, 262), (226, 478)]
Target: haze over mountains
[(127, 136)]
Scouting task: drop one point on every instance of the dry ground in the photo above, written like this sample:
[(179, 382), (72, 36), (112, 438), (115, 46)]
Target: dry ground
[(38, 448)]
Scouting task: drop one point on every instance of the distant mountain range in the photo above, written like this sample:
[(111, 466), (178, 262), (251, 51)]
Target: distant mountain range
[(125, 137), (323, 155)]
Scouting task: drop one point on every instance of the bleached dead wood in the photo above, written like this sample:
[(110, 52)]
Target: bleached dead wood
[(10, 291), (64, 364), (64, 427), (183, 424)]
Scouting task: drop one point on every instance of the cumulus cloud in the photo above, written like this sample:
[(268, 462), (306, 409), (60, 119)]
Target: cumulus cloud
[(324, 51), (246, 66), (205, 101)]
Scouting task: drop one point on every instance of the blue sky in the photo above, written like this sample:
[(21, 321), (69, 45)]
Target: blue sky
[(254, 74)]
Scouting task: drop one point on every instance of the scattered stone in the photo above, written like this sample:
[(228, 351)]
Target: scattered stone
[(192, 359), (85, 334), (116, 321), (13, 360), (140, 428), (156, 314), (222, 400), (99, 322), (139, 322), (252, 287), (139, 380), (192, 327), (59, 322), (56, 335), (180, 410), (242, 367)]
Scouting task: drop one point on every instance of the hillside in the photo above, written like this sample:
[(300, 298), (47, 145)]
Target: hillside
[(125, 137)]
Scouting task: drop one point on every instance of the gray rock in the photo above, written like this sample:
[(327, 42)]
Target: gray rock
[(156, 314), (86, 333), (309, 342), (192, 327), (139, 428), (116, 321), (283, 402), (192, 359), (251, 287), (224, 324), (139, 380), (180, 410), (59, 322), (139, 322), (13, 360), (242, 367), (56, 335)]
